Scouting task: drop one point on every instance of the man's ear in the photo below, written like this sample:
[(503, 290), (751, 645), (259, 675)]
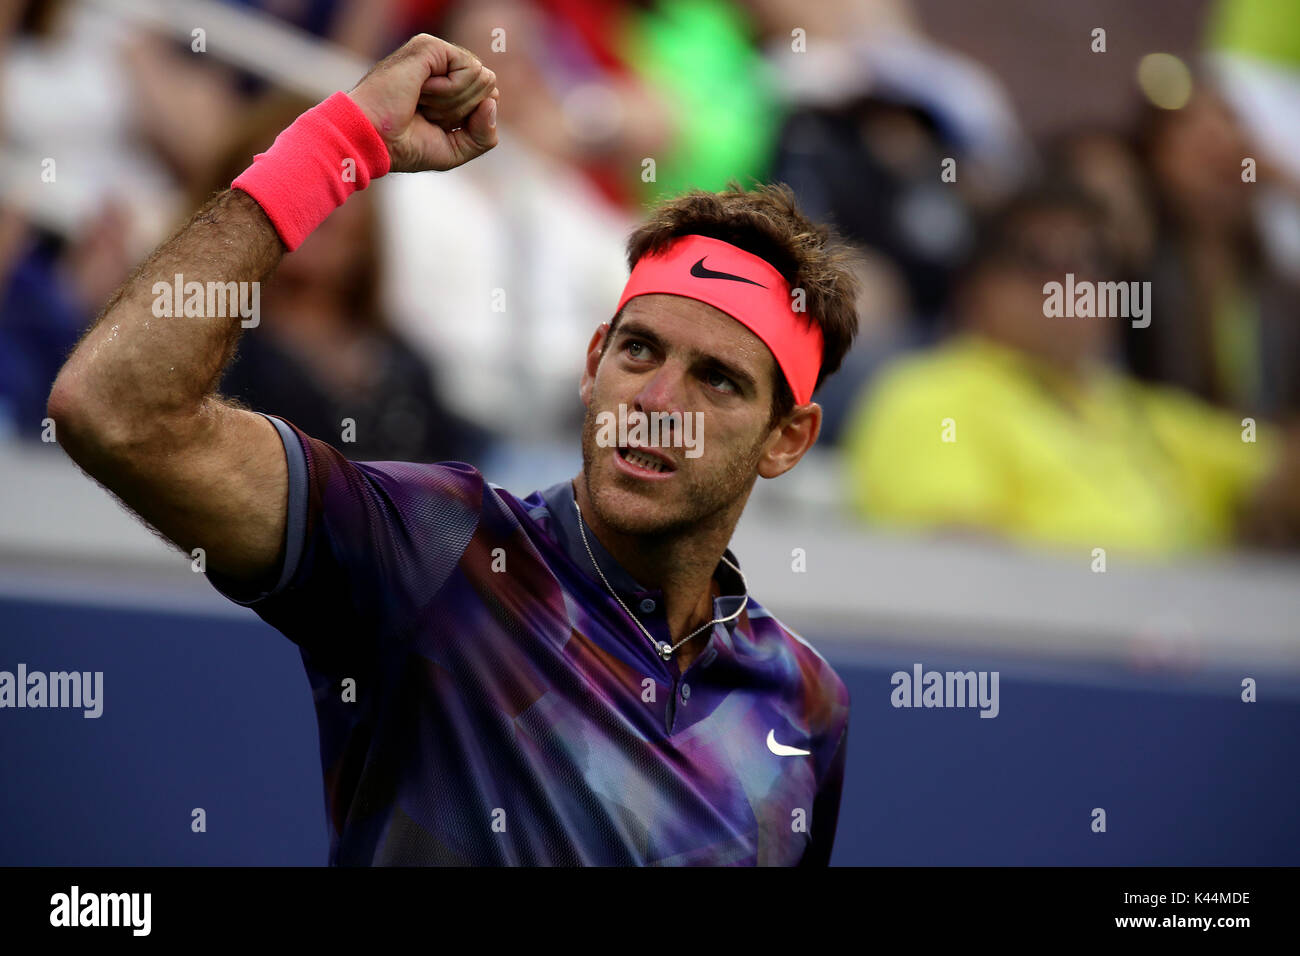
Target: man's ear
[(790, 440), (594, 350)]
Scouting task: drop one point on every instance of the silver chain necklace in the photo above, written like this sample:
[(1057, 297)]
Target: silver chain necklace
[(664, 649)]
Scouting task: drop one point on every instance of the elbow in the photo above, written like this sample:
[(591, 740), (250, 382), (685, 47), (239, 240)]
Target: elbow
[(68, 409), (64, 404), (103, 429), (85, 425)]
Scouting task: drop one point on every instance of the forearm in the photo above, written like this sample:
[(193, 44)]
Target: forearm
[(135, 368), (136, 405)]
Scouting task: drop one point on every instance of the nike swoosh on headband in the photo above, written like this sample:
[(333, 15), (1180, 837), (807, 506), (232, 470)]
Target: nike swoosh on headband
[(765, 308), (783, 750), (700, 271)]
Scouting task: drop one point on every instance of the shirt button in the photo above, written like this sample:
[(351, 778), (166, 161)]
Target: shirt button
[(647, 605), (686, 692)]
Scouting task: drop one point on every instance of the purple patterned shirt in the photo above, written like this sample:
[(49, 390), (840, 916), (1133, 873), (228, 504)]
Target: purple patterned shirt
[(483, 700)]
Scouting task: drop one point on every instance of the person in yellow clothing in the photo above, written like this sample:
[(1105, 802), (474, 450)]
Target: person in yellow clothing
[(1017, 425)]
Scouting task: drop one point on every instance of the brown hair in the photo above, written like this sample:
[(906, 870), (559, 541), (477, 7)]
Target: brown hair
[(767, 222)]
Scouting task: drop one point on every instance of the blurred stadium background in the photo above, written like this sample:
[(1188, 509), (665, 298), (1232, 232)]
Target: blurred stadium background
[(1119, 690)]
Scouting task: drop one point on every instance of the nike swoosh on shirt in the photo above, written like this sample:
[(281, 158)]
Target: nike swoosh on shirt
[(781, 750), (700, 271)]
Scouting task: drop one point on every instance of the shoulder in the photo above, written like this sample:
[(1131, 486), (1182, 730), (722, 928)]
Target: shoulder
[(403, 486), (943, 379), (414, 512)]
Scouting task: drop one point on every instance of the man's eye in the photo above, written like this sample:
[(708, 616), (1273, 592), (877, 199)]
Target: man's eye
[(635, 348), (719, 381)]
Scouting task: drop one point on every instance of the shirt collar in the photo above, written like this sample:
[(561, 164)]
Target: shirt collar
[(559, 501)]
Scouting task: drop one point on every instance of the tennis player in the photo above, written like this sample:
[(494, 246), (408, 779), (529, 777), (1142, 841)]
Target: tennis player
[(575, 677)]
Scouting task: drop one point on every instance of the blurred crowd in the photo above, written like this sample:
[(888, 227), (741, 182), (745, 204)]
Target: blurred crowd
[(447, 315)]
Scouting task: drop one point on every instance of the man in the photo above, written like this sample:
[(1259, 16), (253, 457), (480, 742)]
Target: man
[(575, 677), (1018, 427)]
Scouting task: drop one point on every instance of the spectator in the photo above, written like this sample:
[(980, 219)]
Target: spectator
[(1106, 165), (1224, 323), (1017, 427), (892, 137)]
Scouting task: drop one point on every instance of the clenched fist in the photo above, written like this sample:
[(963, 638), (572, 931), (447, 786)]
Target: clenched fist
[(433, 103)]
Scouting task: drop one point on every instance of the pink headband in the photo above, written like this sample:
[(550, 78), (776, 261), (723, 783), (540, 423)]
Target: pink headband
[(745, 287)]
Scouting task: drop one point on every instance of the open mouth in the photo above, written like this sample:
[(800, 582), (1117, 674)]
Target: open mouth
[(645, 461)]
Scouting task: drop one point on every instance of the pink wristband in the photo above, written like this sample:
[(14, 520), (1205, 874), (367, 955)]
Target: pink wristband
[(325, 155)]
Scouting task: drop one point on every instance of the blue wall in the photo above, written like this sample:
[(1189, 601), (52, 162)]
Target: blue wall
[(217, 713)]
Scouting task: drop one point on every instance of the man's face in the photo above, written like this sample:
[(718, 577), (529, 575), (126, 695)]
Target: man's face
[(671, 354), (1051, 244)]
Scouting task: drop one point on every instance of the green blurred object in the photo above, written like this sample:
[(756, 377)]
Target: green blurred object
[(699, 54), (1266, 29)]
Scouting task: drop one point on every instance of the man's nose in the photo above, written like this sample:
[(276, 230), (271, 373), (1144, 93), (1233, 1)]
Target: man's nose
[(664, 392)]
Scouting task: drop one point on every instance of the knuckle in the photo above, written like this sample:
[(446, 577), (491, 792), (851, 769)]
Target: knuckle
[(422, 43)]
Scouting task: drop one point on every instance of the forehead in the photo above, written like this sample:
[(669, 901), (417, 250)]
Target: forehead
[(698, 327)]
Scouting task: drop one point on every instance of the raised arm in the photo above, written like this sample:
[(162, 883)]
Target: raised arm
[(136, 405)]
